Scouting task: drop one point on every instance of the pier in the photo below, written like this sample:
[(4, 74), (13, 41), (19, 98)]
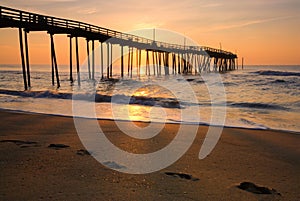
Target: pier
[(164, 58)]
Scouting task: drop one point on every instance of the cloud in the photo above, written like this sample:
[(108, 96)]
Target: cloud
[(54, 1), (248, 23), (211, 5), (88, 11)]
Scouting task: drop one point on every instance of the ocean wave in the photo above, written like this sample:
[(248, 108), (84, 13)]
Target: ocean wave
[(99, 98), (279, 81), (276, 73), (228, 84), (37, 94), (259, 106), (252, 124)]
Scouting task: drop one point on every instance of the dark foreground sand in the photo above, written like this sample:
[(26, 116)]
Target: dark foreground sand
[(33, 171)]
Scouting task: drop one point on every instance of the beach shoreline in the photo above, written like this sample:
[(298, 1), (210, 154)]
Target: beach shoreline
[(147, 122), (31, 170)]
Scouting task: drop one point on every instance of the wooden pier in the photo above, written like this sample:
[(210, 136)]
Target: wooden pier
[(180, 59)]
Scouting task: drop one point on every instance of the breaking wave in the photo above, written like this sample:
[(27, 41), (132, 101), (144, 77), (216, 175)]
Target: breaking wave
[(277, 73), (259, 106), (99, 98)]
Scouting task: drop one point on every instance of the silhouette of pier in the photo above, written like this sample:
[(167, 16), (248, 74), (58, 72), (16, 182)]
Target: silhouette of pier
[(179, 59)]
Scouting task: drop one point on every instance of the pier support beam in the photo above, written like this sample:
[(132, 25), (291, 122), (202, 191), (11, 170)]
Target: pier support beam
[(131, 62), (139, 61), (159, 63), (173, 63), (77, 62), (71, 61), (22, 59), (242, 63), (108, 60), (147, 63), (54, 62), (179, 63), (102, 61), (93, 60), (122, 61), (129, 58), (88, 57), (215, 64), (153, 60), (111, 60), (27, 58)]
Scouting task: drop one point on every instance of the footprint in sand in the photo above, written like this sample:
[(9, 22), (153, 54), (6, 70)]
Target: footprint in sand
[(182, 176), (253, 188), (21, 143), (83, 152), (58, 146)]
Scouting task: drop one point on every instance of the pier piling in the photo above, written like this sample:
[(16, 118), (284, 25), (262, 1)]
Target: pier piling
[(77, 62), (102, 62), (108, 60), (93, 60), (22, 59), (88, 57), (27, 59), (54, 62), (122, 61), (71, 61)]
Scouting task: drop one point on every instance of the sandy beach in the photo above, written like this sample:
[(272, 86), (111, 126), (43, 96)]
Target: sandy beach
[(31, 170)]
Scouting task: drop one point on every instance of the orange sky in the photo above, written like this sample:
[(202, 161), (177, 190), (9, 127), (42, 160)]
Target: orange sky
[(264, 32)]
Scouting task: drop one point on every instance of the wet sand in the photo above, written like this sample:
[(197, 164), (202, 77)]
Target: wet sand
[(31, 170)]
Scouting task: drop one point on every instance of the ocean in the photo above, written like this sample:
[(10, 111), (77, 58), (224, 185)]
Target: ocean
[(257, 97)]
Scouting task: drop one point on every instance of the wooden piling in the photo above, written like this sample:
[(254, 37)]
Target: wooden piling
[(138, 59), (22, 58), (153, 60), (129, 58), (159, 63), (179, 63), (198, 63), (122, 61), (131, 62), (185, 63), (173, 63), (108, 59), (71, 61), (111, 60), (54, 61), (166, 63), (242, 62), (194, 58), (93, 60), (27, 59), (217, 64), (140, 62), (88, 57), (147, 63), (102, 62), (77, 62)]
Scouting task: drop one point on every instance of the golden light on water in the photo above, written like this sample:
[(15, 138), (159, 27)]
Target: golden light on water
[(142, 92), (138, 113)]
